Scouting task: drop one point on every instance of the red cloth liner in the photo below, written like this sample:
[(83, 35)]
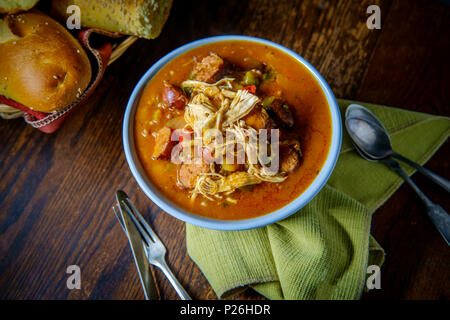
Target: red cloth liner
[(50, 122)]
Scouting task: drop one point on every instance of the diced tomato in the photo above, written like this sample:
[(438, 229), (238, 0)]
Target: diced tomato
[(251, 89)]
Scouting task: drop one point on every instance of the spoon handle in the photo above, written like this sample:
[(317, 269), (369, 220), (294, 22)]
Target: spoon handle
[(444, 183), (438, 215)]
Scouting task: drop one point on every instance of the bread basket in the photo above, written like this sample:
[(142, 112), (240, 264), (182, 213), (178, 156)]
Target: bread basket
[(7, 112)]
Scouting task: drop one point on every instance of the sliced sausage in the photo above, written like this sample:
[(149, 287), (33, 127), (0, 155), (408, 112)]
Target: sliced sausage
[(188, 172), (282, 113), (290, 154), (163, 144), (173, 96), (208, 69)]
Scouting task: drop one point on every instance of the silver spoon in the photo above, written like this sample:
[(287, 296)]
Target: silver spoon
[(372, 142), (371, 136)]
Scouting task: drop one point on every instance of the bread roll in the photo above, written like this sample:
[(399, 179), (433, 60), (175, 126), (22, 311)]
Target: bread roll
[(13, 6), (42, 66), (142, 18)]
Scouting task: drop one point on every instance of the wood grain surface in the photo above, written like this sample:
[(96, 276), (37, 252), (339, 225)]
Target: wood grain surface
[(56, 191)]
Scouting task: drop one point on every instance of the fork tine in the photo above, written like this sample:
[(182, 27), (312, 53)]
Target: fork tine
[(144, 224), (119, 218), (141, 230)]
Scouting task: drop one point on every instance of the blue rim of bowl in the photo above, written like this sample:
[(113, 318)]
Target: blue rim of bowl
[(227, 225)]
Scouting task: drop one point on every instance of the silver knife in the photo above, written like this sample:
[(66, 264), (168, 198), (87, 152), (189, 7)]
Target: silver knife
[(135, 239)]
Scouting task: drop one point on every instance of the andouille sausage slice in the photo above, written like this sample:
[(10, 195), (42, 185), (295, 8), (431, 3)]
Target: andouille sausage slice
[(173, 96), (163, 144), (208, 69), (188, 172), (282, 112), (290, 154)]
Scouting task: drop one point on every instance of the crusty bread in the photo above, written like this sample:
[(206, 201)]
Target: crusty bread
[(13, 6), (142, 18), (42, 66)]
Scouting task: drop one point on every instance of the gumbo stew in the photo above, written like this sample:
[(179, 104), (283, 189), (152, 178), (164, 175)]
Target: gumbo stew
[(233, 130)]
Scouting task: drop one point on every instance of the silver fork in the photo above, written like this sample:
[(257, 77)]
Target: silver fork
[(155, 249)]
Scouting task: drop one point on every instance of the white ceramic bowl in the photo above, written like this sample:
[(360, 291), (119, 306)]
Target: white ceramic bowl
[(165, 204)]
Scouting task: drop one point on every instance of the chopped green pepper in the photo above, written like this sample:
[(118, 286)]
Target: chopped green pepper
[(237, 86), (251, 77), (267, 76), (267, 101), (186, 90)]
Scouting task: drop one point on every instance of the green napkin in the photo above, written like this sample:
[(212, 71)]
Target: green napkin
[(323, 251)]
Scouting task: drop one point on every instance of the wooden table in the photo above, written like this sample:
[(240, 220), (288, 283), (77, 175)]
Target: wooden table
[(56, 191)]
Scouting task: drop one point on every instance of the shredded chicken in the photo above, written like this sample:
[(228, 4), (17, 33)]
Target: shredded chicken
[(218, 106)]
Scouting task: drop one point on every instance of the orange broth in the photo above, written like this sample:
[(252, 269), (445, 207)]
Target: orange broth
[(300, 90)]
